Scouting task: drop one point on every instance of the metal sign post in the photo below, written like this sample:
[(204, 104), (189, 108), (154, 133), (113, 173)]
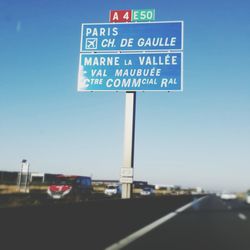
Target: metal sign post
[(129, 141)]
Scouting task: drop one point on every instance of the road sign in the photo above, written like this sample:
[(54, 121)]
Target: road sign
[(121, 16), (143, 15), (150, 36), (25, 166), (130, 72), (23, 177), (126, 180), (127, 172)]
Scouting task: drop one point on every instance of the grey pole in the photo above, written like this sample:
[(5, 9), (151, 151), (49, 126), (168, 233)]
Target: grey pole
[(129, 140)]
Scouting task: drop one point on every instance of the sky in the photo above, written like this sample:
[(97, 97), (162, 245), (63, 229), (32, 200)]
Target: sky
[(197, 137)]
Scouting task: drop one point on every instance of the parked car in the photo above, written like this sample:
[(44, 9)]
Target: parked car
[(112, 190), (146, 191), (73, 187)]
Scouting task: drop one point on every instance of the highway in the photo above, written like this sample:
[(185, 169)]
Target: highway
[(211, 223), (93, 225), (179, 222)]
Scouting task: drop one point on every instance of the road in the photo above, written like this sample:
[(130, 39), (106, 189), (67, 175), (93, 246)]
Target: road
[(92, 225), (210, 224)]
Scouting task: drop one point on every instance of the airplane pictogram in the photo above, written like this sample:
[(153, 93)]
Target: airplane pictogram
[(91, 43)]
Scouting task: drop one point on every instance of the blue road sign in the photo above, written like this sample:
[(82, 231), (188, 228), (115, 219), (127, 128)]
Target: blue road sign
[(157, 71), (150, 36)]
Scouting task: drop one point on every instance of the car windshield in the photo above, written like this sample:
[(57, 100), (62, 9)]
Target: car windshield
[(111, 187), (63, 181)]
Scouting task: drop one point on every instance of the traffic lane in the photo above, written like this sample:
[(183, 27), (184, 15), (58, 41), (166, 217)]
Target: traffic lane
[(236, 204), (216, 203), (95, 224), (201, 227), (210, 225)]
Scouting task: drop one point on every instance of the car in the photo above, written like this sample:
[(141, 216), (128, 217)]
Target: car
[(147, 191), (70, 187), (248, 197), (228, 196), (112, 190)]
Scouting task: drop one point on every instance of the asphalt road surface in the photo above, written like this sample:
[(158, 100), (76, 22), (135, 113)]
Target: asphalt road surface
[(92, 225), (212, 223)]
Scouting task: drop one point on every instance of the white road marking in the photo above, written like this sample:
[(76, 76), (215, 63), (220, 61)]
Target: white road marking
[(242, 216), (136, 235)]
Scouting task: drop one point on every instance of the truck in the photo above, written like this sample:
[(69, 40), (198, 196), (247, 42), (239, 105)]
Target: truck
[(73, 187)]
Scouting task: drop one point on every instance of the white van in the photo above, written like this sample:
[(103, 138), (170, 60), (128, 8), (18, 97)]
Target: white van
[(248, 197)]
